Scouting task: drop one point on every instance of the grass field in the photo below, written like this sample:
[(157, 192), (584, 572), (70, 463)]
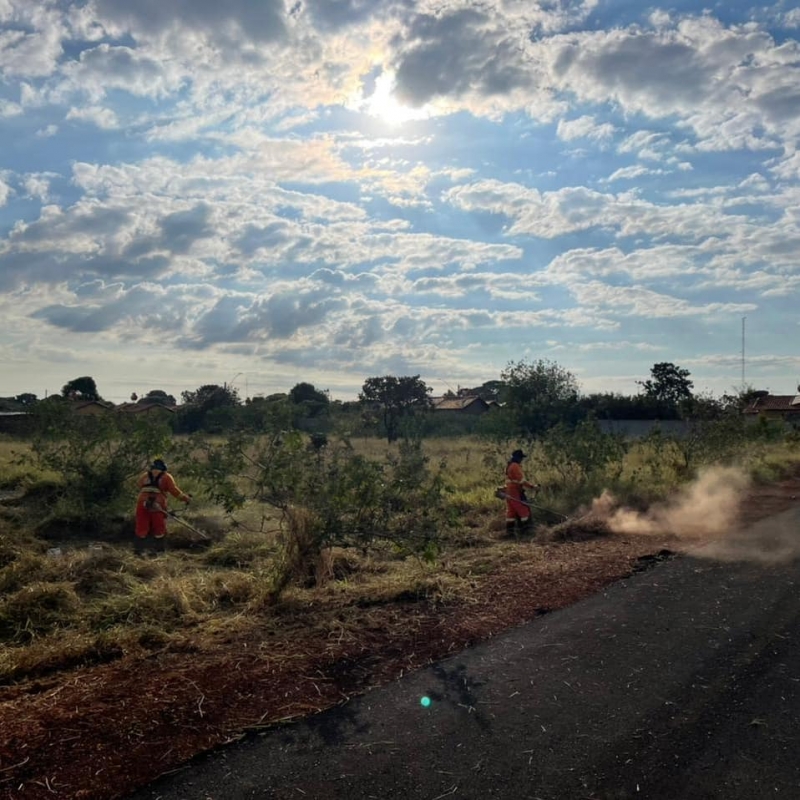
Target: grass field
[(71, 597)]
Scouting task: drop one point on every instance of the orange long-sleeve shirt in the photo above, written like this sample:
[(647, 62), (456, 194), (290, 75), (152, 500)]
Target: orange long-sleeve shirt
[(515, 480), (155, 486)]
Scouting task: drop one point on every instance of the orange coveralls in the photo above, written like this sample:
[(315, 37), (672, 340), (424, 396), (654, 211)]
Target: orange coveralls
[(515, 483), (151, 505)]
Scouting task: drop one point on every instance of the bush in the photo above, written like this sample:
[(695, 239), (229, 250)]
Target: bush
[(327, 495), (95, 459)]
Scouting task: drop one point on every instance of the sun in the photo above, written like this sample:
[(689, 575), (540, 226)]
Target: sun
[(384, 105)]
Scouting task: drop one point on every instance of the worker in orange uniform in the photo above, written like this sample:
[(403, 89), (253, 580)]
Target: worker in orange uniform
[(518, 514), (151, 505)]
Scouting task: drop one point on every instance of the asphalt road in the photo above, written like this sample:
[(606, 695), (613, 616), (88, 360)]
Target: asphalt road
[(680, 682)]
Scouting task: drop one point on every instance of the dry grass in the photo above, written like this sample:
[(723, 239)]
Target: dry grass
[(576, 530), (96, 604)]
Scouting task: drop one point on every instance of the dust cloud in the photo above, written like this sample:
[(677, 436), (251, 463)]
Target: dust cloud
[(706, 513), (775, 540), (706, 507)]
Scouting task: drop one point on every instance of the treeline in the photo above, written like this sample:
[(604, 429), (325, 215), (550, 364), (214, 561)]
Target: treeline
[(529, 398)]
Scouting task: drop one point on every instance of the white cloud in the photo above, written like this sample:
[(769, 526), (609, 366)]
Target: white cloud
[(642, 302), (631, 173), (38, 186), (9, 109), (103, 118), (728, 83), (585, 127), (104, 68), (572, 209), (30, 44), (47, 131), (5, 192)]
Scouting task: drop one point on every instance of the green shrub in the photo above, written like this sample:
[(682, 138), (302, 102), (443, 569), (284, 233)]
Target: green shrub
[(94, 458)]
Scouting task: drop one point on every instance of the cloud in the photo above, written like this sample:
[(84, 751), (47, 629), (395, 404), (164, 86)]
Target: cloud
[(9, 109), (722, 227), (333, 15), (104, 68), (103, 118), (30, 43), (733, 85), (585, 127), (38, 186), (458, 51), (47, 131), (245, 165), (222, 25), (631, 173), (594, 347), (641, 302)]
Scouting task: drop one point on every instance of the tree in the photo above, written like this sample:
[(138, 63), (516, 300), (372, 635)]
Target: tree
[(540, 394), (210, 406), (210, 396), (396, 398), (26, 399), (307, 393), (309, 406), (81, 388), (668, 384), (158, 396), (96, 457)]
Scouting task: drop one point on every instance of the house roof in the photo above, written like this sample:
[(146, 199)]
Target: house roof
[(86, 403), (137, 408), (775, 402), (456, 403)]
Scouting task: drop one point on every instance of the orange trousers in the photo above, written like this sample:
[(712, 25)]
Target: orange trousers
[(150, 522)]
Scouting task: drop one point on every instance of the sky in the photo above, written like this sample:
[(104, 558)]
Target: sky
[(266, 193)]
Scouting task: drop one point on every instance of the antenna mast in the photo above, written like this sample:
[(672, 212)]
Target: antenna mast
[(743, 324)]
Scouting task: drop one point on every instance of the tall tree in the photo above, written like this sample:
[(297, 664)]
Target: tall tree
[(668, 384), (307, 393), (210, 407), (396, 398), (308, 402), (540, 394), (210, 396), (82, 388), (158, 396)]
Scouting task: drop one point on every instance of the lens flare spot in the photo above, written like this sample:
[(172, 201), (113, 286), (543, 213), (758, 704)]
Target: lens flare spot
[(425, 702)]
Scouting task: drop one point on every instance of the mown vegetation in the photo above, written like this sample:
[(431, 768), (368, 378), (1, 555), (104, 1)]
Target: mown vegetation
[(281, 511)]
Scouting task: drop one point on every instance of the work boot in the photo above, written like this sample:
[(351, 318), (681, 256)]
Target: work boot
[(511, 529), (139, 546), (160, 544)]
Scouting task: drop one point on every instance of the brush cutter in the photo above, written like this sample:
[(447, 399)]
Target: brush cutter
[(500, 493), (179, 520), (185, 524)]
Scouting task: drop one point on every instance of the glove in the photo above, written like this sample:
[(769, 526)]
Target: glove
[(187, 499)]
